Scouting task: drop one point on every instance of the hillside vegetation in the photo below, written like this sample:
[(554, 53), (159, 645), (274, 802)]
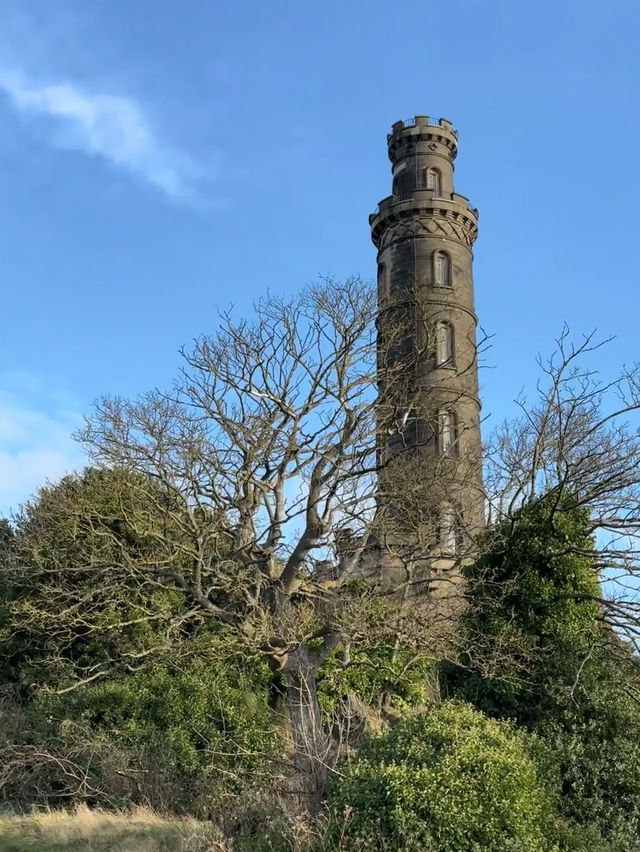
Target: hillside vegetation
[(188, 628)]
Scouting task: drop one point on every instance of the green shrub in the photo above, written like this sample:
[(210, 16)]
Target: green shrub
[(119, 691), (405, 675), (447, 781), (542, 658), (181, 738), (532, 616), (591, 763), (206, 714), (65, 609)]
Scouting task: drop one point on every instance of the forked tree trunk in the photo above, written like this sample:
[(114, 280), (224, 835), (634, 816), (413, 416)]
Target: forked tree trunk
[(311, 743)]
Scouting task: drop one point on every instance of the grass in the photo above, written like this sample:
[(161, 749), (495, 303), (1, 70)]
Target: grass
[(139, 830)]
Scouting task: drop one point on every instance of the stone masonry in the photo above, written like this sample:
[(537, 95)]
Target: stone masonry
[(428, 387)]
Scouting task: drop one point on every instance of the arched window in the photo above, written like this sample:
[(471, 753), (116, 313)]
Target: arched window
[(404, 432), (447, 432), (442, 268), (410, 432), (445, 352), (448, 529), (433, 180), (383, 290)]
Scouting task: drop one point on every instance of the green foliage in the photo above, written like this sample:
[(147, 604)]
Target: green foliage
[(182, 738), (540, 655), (6, 540), (370, 672), (590, 758), (448, 781), (533, 616), (546, 559), (116, 672), (384, 660), (210, 714), (65, 605), (264, 825)]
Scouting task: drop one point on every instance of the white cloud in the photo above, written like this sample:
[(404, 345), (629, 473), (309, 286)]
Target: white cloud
[(35, 445), (113, 127)]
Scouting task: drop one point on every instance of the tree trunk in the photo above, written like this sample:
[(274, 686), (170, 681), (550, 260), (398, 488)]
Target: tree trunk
[(311, 744)]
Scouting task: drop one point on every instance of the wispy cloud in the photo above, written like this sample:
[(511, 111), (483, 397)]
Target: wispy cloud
[(113, 127), (35, 443)]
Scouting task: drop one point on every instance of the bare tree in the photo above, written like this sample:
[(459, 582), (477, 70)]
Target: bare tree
[(258, 496), (578, 436)]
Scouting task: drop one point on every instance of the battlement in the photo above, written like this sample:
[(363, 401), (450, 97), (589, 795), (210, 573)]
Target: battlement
[(422, 121), (424, 134)]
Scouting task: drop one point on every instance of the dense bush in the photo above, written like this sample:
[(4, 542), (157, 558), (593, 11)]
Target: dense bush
[(211, 713), (540, 655), (590, 760), (403, 675), (70, 538), (447, 781), (119, 697), (532, 616), (178, 738)]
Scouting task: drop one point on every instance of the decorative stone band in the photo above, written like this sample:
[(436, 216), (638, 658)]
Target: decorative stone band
[(420, 212), (413, 224)]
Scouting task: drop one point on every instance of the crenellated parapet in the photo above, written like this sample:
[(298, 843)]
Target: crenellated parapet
[(424, 134)]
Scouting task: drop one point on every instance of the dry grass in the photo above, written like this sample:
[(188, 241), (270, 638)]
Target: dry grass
[(139, 830)]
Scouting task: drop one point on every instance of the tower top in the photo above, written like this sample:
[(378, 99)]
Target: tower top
[(408, 134)]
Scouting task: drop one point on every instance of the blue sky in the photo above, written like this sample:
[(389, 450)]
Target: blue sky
[(160, 158)]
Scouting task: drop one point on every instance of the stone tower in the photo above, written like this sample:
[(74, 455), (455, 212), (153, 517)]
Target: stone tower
[(428, 423)]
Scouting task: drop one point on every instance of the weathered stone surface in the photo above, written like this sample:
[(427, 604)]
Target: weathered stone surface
[(424, 233)]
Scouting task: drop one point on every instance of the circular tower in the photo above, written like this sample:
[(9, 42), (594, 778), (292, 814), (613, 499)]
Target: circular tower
[(429, 409)]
